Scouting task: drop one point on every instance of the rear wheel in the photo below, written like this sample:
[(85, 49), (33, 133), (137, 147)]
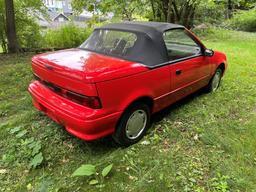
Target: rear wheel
[(215, 81), (132, 125)]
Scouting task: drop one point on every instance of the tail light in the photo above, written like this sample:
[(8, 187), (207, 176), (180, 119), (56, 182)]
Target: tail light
[(88, 101), (92, 102)]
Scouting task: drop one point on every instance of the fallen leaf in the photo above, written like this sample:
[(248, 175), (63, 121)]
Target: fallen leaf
[(145, 142), (3, 171), (93, 182), (196, 137), (65, 160), (159, 128)]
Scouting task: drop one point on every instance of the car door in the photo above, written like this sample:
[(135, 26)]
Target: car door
[(189, 68)]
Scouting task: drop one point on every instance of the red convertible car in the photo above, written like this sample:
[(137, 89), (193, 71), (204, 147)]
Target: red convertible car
[(120, 75)]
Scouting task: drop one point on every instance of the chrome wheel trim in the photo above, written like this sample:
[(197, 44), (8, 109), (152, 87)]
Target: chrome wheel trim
[(136, 124), (216, 81)]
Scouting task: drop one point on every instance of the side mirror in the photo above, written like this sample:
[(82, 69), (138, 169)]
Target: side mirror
[(208, 52)]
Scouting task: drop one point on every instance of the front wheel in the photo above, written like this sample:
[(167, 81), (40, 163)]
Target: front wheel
[(132, 125), (215, 81)]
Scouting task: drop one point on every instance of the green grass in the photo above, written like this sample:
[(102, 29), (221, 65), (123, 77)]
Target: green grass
[(203, 143)]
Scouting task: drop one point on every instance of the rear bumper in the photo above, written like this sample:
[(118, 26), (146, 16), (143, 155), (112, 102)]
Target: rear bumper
[(85, 123)]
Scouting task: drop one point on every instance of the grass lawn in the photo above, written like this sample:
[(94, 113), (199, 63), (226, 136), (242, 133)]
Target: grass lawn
[(206, 142)]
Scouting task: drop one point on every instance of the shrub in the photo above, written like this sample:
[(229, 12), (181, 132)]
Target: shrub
[(30, 36), (205, 31), (67, 36), (210, 12), (243, 20)]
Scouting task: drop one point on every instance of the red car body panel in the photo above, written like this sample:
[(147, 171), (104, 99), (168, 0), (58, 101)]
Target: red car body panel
[(80, 121), (117, 83), (87, 66), (151, 83)]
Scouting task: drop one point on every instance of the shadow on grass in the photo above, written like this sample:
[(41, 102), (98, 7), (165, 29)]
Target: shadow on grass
[(159, 116)]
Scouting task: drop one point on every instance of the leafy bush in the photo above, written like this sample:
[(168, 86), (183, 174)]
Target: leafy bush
[(217, 34), (207, 30), (30, 36), (210, 12), (66, 36), (243, 20)]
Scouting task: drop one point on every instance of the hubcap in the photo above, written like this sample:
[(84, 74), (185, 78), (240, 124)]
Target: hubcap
[(136, 124), (216, 81)]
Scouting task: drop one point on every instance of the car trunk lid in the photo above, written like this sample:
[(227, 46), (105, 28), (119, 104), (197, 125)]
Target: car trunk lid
[(78, 70)]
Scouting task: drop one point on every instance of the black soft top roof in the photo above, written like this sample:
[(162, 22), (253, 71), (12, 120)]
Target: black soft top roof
[(150, 28), (150, 48)]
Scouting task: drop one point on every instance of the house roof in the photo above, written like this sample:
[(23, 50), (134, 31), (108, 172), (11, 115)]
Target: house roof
[(53, 15)]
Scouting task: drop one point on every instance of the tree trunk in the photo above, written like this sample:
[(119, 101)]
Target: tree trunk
[(165, 6), (192, 17), (13, 46), (230, 9), (3, 44), (153, 9), (3, 34), (174, 11)]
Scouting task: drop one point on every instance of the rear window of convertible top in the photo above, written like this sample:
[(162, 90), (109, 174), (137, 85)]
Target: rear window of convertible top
[(111, 42)]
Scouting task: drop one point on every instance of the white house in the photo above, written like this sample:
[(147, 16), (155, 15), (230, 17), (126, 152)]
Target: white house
[(58, 5)]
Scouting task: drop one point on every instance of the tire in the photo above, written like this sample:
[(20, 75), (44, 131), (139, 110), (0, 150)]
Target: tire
[(215, 81), (127, 131)]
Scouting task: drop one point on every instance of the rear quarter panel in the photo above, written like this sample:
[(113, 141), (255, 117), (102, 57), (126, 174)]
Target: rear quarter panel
[(118, 94)]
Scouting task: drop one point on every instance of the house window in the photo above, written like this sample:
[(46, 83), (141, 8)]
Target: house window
[(69, 6), (61, 19)]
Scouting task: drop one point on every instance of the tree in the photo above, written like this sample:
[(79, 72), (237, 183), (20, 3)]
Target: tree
[(233, 5), (175, 11), (27, 30), (13, 46), (2, 27), (230, 9), (125, 9)]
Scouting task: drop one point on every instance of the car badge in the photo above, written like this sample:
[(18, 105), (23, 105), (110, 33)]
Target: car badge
[(49, 67)]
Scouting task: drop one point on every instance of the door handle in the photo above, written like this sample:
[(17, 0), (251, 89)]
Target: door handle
[(178, 71)]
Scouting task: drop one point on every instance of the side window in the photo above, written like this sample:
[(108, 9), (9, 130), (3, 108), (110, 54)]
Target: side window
[(179, 45)]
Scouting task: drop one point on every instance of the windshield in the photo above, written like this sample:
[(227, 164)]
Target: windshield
[(111, 42)]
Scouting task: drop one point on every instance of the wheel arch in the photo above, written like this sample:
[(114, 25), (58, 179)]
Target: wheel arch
[(222, 67), (142, 99)]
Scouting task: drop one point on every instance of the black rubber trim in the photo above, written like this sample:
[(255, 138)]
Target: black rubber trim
[(173, 62)]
